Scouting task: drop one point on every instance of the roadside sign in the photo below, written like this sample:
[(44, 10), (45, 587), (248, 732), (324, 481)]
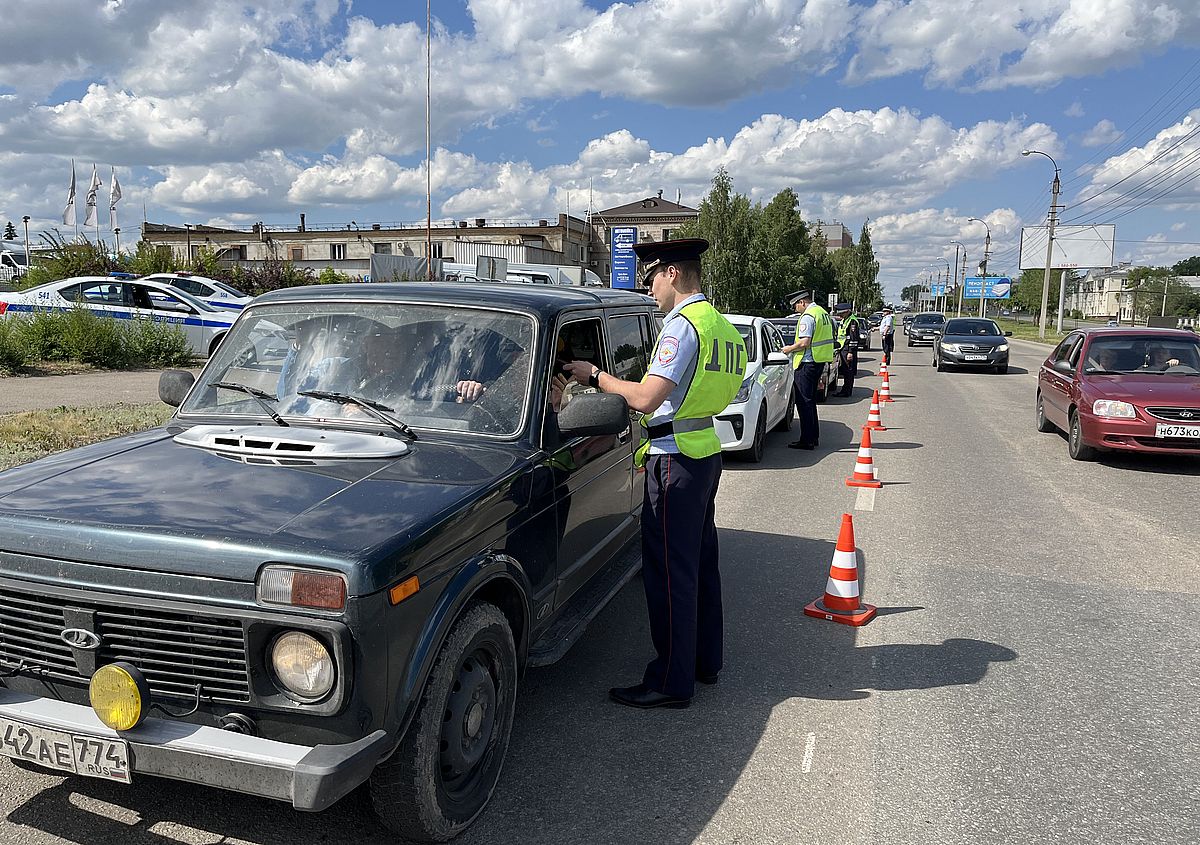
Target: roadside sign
[(996, 287), (624, 261), (488, 267), (832, 300), (937, 290)]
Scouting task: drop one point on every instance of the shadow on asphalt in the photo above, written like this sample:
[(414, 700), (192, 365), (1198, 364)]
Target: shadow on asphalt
[(834, 437), (883, 444), (579, 768)]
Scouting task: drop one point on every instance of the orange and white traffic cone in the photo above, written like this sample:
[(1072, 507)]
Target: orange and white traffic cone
[(841, 602), (874, 420), (885, 392), (883, 368), (864, 474)]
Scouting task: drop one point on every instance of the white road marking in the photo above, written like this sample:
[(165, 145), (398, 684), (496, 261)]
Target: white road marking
[(865, 501), (809, 745)]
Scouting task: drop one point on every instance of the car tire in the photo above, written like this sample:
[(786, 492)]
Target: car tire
[(785, 424), (941, 367), (755, 453), (212, 347), (1076, 448), (910, 344), (1043, 425), (1001, 369), (476, 666)]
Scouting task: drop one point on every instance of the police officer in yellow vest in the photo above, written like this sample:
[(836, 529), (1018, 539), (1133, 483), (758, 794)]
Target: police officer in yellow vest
[(698, 366), (811, 352)]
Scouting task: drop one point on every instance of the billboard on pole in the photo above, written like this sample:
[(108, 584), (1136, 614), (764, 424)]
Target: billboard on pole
[(624, 261), (995, 287), (1074, 247)]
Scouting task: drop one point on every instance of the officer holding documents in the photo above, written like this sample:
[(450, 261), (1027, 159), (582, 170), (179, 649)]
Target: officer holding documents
[(698, 366)]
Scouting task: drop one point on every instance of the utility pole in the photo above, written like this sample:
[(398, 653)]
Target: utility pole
[(25, 220), (1053, 218), (987, 248), (957, 283)]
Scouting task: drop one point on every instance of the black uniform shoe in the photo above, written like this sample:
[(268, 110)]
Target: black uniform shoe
[(796, 444), (709, 679), (645, 698)]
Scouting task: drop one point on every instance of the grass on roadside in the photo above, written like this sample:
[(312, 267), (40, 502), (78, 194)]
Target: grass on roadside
[(1029, 331), (30, 435)]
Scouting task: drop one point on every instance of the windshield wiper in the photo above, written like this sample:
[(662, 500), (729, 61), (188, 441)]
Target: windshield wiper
[(259, 396), (377, 410)]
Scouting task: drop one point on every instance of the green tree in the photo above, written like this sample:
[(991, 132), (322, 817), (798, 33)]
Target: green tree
[(1188, 267), (1148, 285), (911, 294), (778, 254), (10, 231), (865, 290), (725, 221), (1027, 291)]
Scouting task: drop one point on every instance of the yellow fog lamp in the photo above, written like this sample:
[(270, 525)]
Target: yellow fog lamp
[(119, 695)]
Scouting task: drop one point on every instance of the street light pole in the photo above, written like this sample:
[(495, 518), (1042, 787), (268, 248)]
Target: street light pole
[(117, 235), (1053, 218), (945, 294), (957, 283), (25, 220), (987, 246)]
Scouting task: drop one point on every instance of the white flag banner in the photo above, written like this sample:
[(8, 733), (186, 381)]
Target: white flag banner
[(90, 205), (69, 211), (114, 194)]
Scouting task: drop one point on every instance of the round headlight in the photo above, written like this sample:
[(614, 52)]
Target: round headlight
[(119, 694), (302, 665)]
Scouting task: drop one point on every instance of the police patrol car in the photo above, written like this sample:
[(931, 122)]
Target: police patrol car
[(126, 299), (215, 293)]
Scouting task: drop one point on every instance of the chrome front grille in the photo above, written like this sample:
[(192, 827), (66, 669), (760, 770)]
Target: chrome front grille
[(1179, 415), (175, 651)]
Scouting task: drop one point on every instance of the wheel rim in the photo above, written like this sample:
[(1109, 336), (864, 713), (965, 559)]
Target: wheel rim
[(469, 722), (1076, 435), (1041, 413), (760, 432)]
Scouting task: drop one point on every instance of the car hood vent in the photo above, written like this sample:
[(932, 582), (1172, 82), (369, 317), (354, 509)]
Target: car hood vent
[(291, 443)]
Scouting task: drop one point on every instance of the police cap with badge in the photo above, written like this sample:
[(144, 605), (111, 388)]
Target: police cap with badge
[(796, 296), (655, 254)]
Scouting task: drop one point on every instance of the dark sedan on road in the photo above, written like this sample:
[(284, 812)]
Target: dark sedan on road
[(925, 328), (1127, 389), (971, 342)]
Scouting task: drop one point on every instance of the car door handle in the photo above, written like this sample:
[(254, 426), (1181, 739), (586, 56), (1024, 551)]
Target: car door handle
[(624, 436)]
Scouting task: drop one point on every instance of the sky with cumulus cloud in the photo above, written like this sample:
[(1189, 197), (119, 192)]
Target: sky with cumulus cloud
[(909, 113)]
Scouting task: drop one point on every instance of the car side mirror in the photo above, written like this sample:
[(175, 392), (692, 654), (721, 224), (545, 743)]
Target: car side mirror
[(776, 358), (1008, 334), (593, 415), (1064, 367), (173, 386)]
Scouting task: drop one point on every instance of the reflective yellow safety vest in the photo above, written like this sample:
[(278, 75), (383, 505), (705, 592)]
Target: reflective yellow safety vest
[(844, 328), (720, 366), (822, 339)]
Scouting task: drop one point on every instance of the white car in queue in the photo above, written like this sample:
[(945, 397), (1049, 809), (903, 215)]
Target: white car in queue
[(215, 293), (765, 400), (127, 299)]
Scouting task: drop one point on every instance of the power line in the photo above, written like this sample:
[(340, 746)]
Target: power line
[(1135, 172)]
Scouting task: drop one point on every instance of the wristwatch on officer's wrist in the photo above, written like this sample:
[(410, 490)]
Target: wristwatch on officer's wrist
[(594, 378)]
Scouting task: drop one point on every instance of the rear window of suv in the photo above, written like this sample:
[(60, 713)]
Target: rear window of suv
[(928, 318)]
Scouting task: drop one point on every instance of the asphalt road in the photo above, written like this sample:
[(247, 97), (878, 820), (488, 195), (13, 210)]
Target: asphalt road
[(1032, 675)]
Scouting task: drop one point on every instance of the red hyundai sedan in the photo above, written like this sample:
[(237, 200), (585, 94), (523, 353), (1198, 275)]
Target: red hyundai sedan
[(1128, 389)]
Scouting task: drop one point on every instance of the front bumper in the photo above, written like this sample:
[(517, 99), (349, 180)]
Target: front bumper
[(917, 339), (735, 426), (309, 777), (959, 359), (1136, 435)]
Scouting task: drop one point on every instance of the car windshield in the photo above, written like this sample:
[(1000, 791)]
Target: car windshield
[(1144, 355), (930, 319), (748, 335), (410, 358), (984, 328), (787, 328)]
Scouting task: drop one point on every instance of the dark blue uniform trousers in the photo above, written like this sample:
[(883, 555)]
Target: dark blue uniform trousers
[(807, 376), (679, 571)]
